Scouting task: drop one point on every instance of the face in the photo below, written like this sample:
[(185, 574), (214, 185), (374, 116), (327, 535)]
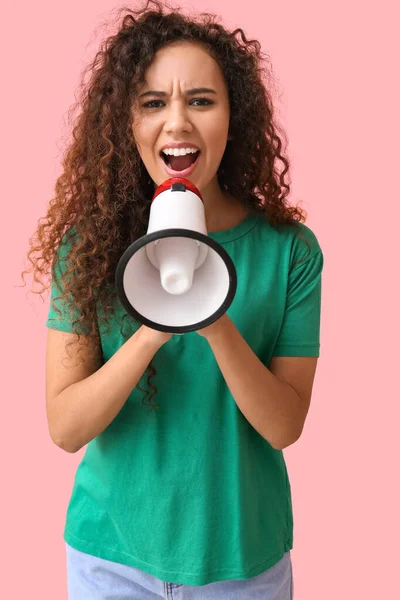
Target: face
[(200, 118)]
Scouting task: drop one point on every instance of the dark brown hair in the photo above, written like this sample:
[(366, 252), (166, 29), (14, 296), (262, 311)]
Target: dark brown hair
[(104, 191)]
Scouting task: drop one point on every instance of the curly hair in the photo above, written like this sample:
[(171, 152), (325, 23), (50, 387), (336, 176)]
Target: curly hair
[(104, 192)]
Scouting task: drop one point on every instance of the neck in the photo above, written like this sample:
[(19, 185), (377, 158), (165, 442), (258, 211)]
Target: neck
[(222, 211)]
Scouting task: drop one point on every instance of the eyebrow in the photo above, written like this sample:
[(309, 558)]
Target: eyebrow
[(201, 90)]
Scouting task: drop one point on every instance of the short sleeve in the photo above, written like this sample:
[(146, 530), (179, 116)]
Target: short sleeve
[(68, 312), (300, 330)]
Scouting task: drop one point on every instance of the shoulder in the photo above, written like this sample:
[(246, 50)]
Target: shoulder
[(68, 239), (305, 244), (61, 260), (298, 236), (289, 244)]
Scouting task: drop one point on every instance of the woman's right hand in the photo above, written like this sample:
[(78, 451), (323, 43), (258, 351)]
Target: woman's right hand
[(158, 338)]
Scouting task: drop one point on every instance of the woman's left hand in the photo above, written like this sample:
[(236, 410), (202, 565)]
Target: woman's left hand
[(215, 328)]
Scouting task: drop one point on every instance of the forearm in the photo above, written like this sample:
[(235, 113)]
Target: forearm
[(87, 407), (270, 405)]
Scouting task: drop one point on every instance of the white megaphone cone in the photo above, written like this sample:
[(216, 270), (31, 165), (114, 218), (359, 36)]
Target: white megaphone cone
[(175, 278)]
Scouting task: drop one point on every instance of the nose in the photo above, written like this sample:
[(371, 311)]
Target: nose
[(177, 119)]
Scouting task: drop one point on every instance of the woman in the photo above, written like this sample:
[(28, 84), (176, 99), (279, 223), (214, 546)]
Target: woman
[(191, 500)]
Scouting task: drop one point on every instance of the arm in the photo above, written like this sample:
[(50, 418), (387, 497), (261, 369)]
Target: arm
[(83, 399), (275, 405)]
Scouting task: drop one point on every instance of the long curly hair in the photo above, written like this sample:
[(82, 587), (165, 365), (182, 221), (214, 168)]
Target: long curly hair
[(104, 192)]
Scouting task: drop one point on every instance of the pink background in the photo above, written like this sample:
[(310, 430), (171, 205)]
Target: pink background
[(336, 66)]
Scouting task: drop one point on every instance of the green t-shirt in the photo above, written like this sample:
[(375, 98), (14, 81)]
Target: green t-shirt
[(191, 493)]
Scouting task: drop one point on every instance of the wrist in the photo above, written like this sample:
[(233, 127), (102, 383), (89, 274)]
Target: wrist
[(217, 330), (152, 338)]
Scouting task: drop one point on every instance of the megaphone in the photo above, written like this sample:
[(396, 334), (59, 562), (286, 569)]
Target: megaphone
[(176, 278)]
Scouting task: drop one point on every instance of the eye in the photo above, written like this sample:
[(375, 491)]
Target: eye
[(148, 104), (206, 102)]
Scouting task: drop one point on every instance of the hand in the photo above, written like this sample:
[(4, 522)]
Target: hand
[(215, 328), (159, 338)]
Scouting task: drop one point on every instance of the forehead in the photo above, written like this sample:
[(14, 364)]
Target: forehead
[(185, 63)]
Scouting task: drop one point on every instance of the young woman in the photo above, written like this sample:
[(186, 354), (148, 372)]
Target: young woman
[(191, 500)]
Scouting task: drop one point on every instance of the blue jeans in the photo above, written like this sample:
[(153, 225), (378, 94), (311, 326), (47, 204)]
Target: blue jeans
[(92, 578)]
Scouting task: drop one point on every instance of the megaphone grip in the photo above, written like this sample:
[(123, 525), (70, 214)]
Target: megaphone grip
[(176, 257)]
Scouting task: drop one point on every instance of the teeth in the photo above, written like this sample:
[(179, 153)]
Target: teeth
[(179, 151)]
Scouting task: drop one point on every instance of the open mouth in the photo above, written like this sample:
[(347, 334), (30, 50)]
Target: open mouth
[(180, 163)]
